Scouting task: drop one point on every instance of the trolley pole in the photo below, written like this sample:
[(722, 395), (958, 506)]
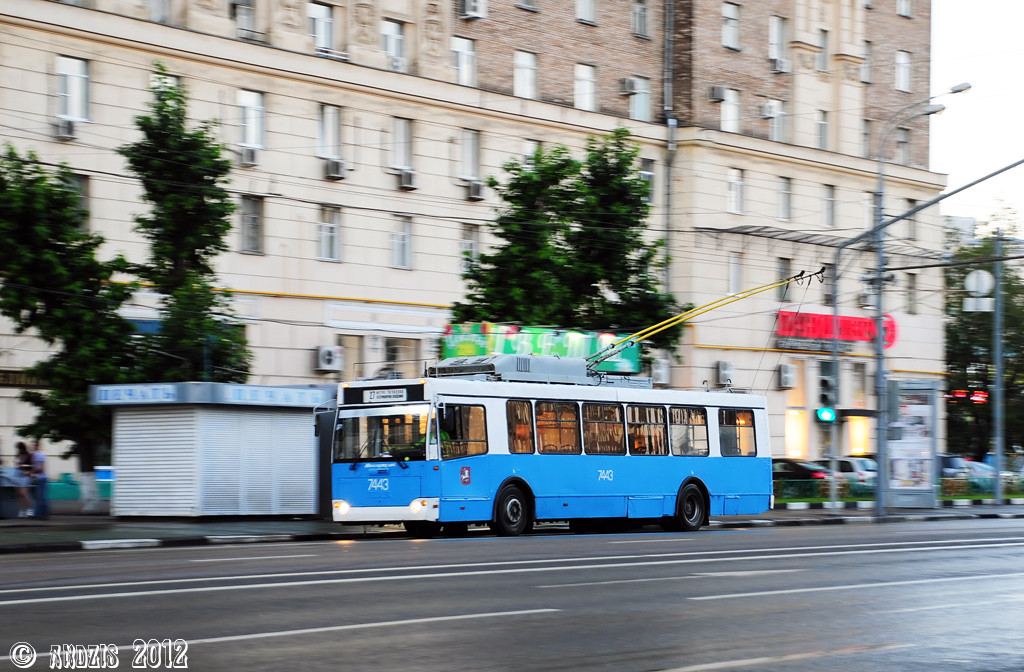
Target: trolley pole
[(997, 356)]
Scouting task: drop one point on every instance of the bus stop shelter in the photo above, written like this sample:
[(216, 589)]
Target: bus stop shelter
[(215, 449)]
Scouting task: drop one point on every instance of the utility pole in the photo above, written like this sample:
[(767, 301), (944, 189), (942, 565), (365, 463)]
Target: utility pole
[(882, 478), (997, 356)]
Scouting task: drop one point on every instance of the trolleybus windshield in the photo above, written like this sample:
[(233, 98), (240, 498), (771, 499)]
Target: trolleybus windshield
[(394, 432)]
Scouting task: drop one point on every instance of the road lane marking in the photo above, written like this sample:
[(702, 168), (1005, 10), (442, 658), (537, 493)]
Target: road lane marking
[(493, 572), (258, 557), (854, 586), (337, 628), (752, 572), (774, 660), (606, 583), (952, 605), (329, 572), (653, 541)]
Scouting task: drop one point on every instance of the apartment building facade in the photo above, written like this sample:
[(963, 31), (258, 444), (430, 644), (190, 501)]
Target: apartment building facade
[(362, 132)]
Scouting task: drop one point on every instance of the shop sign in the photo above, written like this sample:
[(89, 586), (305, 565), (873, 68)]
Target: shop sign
[(20, 379), (813, 330), (473, 340)]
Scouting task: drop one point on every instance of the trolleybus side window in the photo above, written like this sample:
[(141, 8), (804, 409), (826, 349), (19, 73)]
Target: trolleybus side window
[(558, 427), (603, 432), (736, 432), (463, 431), (647, 430), (689, 431), (520, 426)]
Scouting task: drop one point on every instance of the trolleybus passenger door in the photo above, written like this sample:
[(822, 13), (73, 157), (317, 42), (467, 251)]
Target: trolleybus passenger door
[(465, 478)]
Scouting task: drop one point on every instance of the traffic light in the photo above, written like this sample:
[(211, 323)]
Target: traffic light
[(827, 397), (826, 414)]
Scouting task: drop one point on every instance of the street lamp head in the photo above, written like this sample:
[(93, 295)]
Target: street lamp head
[(960, 88), (933, 109)]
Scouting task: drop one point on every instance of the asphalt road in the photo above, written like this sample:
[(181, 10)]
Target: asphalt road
[(912, 596)]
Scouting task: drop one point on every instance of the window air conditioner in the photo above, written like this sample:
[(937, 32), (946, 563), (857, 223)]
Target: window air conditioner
[(407, 179), (65, 129), (767, 111), (396, 64), (724, 372), (716, 94), (782, 65), (330, 357), (661, 373), (473, 9), (787, 376), (334, 169), (627, 86), (475, 190), (248, 158)]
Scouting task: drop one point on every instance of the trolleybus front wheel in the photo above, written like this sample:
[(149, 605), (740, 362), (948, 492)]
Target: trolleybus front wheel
[(512, 513), (691, 508)]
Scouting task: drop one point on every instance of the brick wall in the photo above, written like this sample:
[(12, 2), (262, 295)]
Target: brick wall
[(560, 41)]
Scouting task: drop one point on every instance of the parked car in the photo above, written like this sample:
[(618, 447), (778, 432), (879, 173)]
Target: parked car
[(788, 469), (953, 466), (861, 472)]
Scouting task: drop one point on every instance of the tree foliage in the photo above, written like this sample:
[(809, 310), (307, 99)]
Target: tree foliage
[(53, 285), (573, 251), (969, 356), (183, 173)]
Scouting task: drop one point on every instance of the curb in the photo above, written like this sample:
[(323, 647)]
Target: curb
[(210, 540), (870, 504)]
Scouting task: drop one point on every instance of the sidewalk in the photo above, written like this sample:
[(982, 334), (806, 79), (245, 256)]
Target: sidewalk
[(66, 532)]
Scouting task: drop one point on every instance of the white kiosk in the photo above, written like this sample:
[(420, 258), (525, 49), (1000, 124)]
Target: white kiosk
[(214, 449)]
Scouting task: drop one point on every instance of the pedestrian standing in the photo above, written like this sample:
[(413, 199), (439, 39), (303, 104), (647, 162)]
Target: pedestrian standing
[(23, 462), (42, 511)]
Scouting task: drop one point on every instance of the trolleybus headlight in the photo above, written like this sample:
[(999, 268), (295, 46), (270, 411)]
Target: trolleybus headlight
[(417, 505), (342, 506)]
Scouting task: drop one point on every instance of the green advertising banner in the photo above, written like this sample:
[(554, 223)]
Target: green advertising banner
[(470, 340)]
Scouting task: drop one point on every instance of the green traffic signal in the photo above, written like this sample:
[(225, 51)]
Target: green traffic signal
[(826, 414)]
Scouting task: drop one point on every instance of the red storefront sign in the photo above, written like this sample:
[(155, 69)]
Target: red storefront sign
[(819, 326)]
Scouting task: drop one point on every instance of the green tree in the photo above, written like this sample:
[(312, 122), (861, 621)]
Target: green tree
[(53, 285), (969, 356), (574, 251), (183, 173)]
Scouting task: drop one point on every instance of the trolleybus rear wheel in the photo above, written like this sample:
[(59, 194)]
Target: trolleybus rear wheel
[(512, 513), (691, 508)]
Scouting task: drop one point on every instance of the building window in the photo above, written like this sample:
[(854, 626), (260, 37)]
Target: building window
[(393, 36), (524, 80), (735, 273), (558, 427), (731, 111), (519, 415), (245, 19), (911, 293), (640, 101), (464, 60), (80, 185), (865, 135), (162, 82), (603, 431), (401, 244), (329, 135), (585, 88), (401, 150), (903, 71), (252, 224), (776, 37), (796, 417), (586, 11), (321, 27), (689, 428), (530, 149), (730, 25), (912, 220), (865, 66), (159, 11), (647, 175), (829, 206), (776, 125), (869, 210), (785, 271), (469, 246), (73, 89), (734, 198), (251, 103), (903, 146), (470, 155), (822, 123), (903, 8), (828, 294), (785, 198), (647, 435), (736, 432), (640, 18), (822, 64), (329, 234)]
